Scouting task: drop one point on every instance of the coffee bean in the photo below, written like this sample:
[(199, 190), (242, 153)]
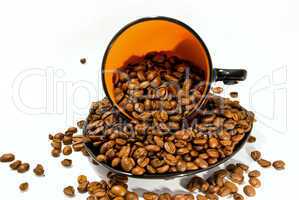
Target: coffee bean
[(82, 179), (150, 196), (251, 139), (82, 187), (256, 155), (118, 190), (67, 150), (24, 167), (55, 153), (15, 164), (69, 191), (127, 164), (39, 170), (254, 173), (24, 186), (279, 165), (243, 166), (8, 157), (238, 196), (224, 191), (170, 147), (231, 186), (264, 163), (201, 197), (162, 169), (66, 162), (249, 191), (131, 196), (217, 90), (234, 94), (83, 61), (138, 170), (255, 182)]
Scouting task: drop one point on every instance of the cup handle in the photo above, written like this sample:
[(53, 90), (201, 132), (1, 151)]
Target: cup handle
[(229, 76)]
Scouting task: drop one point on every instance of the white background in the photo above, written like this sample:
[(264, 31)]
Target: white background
[(45, 89)]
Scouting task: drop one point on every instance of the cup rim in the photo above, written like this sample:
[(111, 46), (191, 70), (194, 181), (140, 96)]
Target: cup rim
[(140, 20)]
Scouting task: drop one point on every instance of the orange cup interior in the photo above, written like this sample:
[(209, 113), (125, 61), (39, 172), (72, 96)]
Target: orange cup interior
[(153, 34)]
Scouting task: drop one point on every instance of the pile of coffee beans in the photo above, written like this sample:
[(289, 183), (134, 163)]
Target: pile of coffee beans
[(157, 147), (158, 87)]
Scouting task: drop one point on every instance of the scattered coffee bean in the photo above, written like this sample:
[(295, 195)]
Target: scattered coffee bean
[(24, 167), (66, 162), (67, 150), (234, 94), (255, 182), (238, 196), (264, 163), (15, 164), (254, 173), (24, 186), (119, 190), (217, 90), (279, 165), (201, 197), (55, 153), (8, 157), (251, 139), (256, 155), (83, 61), (80, 124), (69, 191), (249, 191), (39, 170)]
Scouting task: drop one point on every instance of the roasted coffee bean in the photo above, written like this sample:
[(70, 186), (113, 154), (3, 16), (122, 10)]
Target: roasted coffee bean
[(170, 147), (67, 150), (201, 197), (201, 163), (80, 124), (242, 166), (69, 191), (254, 173), (82, 187), (127, 164), (24, 186), (118, 190), (238, 196), (249, 191), (217, 90), (83, 61), (279, 165), (233, 94), (8, 157), (255, 155), (131, 196), (264, 163), (15, 164), (251, 139), (67, 140), (255, 182), (162, 169), (66, 162), (55, 153), (224, 191), (231, 186), (236, 178), (82, 179), (150, 196), (138, 170), (39, 170), (24, 167)]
